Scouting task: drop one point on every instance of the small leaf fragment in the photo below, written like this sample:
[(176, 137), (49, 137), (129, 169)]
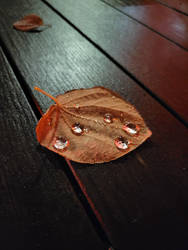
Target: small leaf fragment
[(91, 126), (29, 22)]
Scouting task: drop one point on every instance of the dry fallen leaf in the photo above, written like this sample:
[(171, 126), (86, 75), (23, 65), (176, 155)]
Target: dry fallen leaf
[(29, 22), (91, 126)]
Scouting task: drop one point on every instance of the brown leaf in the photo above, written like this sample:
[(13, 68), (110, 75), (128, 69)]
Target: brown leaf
[(91, 126), (28, 23)]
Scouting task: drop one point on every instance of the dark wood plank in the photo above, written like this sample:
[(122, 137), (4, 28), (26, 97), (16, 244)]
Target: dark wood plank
[(167, 22), (157, 63), (142, 198), (179, 5), (38, 207)]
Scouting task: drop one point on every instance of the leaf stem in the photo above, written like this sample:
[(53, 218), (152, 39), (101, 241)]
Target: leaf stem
[(50, 96)]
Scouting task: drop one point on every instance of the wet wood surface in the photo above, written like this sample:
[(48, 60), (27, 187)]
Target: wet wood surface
[(133, 47), (157, 17), (178, 5), (139, 199)]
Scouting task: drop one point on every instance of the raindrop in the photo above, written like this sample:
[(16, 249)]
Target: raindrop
[(131, 128), (77, 129), (108, 118), (121, 143), (49, 121), (60, 143), (86, 130)]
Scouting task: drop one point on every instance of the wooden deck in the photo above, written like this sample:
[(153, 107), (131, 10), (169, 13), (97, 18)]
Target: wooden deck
[(137, 48)]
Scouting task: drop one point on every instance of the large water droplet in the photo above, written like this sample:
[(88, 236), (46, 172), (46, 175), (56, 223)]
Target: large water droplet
[(108, 118), (121, 143), (131, 128), (77, 129), (61, 143)]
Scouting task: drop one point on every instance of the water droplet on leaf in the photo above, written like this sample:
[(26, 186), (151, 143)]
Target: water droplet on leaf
[(77, 129), (108, 118), (49, 120), (86, 130), (103, 142), (121, 143), (60, 143), (131, 128)]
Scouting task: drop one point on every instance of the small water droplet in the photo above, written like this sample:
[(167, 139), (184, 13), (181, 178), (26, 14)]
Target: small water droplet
[(113, 97), (77, 129), (49, 120), (61, 143), (121, 143), (86, 130), (131, 128), (77, 106), (108, 118)]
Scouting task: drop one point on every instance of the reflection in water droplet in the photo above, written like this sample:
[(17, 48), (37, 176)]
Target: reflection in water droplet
[(108, 118), (121, 143), (77, 129), (61, 143), (131, 128)]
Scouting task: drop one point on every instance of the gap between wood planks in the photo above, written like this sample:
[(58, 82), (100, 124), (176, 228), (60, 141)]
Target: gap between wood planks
[(166, 106), (170, 7), (78, 186), (145, 25)]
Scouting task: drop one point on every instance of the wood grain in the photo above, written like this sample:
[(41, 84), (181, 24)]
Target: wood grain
[(158, 64), (165, 21), (179, 5), (38, 206), (142, 198)]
